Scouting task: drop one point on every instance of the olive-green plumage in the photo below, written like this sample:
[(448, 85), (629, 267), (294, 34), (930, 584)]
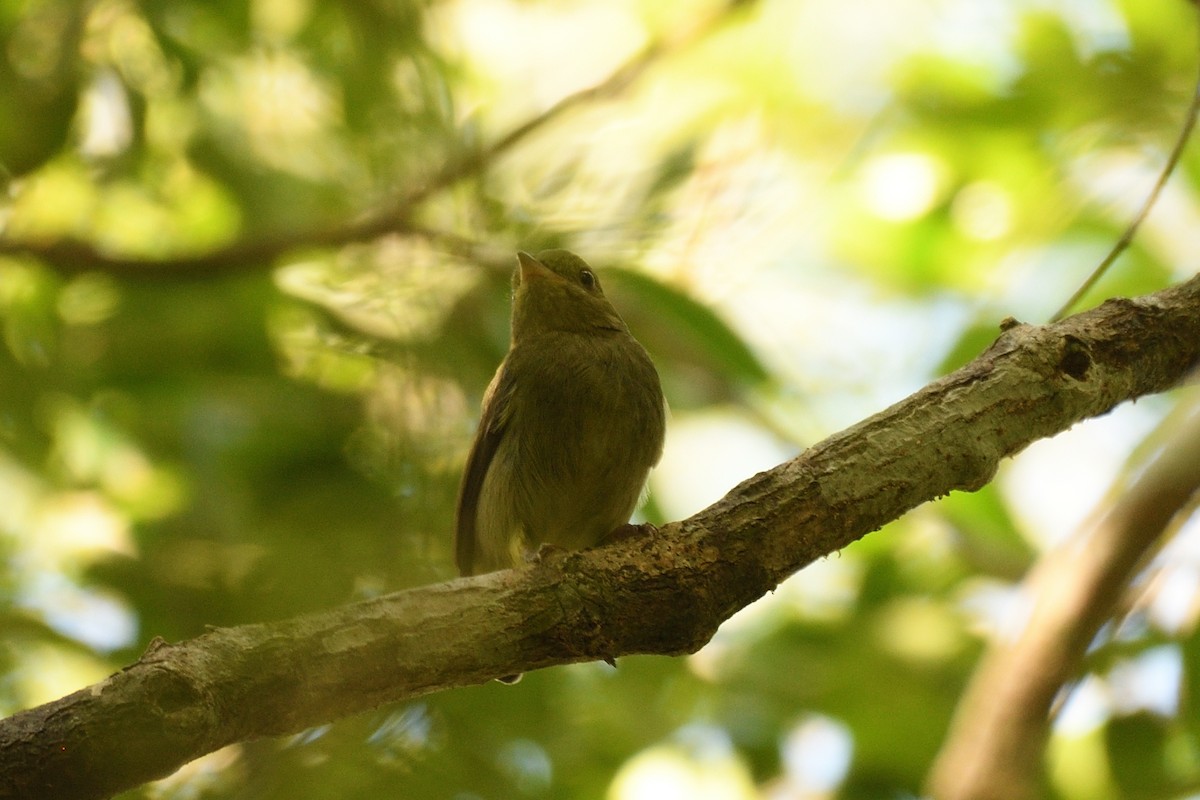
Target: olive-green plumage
[(572, 423)]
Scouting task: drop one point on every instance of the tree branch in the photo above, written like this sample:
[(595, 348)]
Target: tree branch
[(664, 594), (995, 749), (72, 256)]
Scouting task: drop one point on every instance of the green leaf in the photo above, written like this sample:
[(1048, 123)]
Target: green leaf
[(703, 358)]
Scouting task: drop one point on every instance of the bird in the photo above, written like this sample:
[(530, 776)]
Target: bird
[(572, 423)]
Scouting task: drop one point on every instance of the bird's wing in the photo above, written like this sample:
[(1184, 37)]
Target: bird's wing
[(487, 438)]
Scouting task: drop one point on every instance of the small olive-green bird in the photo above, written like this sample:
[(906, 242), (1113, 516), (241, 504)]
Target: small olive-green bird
[(573, 421)]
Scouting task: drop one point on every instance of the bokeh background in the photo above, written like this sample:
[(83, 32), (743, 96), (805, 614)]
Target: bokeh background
[(254, 265)]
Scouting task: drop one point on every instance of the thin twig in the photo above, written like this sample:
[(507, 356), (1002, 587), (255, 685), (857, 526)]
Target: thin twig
[(1126, 239)]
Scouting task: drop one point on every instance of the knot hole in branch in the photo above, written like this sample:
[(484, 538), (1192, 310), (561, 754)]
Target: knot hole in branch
[(1075, 360)]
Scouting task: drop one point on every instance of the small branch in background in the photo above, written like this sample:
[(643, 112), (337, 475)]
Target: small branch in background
[(613, 85), (72, 257), (69, 256), (996, 745), (1126, 239)]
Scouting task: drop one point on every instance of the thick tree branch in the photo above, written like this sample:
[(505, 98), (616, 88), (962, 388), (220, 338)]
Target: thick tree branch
[(660, 594), (995, 750)]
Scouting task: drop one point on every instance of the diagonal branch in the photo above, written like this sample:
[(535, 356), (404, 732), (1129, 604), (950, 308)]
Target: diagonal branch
[(71, 256), (996, 745), (664, 594)]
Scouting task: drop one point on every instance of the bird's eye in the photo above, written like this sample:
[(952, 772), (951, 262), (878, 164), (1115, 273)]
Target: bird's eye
[(587, 278)]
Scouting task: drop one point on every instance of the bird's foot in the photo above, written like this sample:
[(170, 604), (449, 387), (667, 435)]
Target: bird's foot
[(629, 531), (546, 552)]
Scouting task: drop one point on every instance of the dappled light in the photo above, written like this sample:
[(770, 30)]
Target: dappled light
[(255, 275)]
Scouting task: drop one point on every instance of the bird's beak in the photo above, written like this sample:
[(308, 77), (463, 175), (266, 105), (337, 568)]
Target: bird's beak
[(532, 269)]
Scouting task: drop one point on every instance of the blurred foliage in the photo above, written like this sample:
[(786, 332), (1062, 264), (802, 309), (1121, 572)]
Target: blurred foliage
[(226, 398)]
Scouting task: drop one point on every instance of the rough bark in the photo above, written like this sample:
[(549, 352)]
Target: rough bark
[(665, 593)]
